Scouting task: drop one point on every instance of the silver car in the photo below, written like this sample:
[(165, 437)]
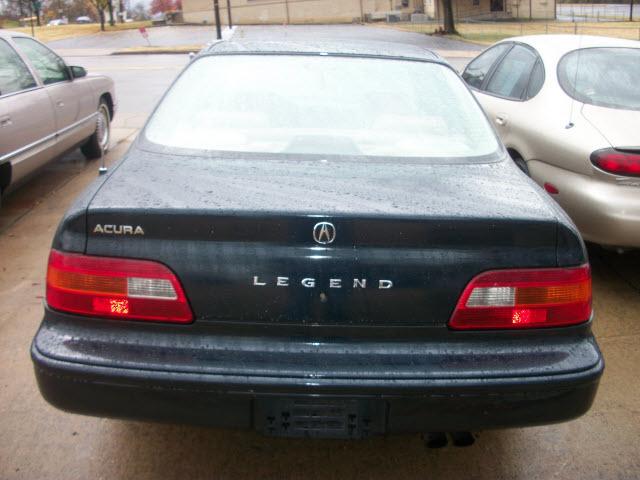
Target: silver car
[(47, 108), (568, 109)]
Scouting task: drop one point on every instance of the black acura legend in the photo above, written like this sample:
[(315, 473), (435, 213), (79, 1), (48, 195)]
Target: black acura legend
[(311, 240)]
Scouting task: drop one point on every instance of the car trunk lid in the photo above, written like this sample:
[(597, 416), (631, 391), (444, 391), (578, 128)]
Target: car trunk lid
[(618, 127), (242, 234)]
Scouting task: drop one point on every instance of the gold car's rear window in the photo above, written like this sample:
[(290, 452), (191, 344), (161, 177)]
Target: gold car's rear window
[(606, 77)]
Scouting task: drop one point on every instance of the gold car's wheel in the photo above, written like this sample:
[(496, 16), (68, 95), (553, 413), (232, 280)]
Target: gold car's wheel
[(520, 162), (98, 142)]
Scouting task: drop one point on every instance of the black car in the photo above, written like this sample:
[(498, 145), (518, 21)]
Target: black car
[(312, 240)]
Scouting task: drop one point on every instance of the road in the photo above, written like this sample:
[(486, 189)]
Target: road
[(594, 12), (170, 36), (39, 442)]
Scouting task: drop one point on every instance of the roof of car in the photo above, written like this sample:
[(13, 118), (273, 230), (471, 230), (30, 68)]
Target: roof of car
[(378, 49), (561, 44), (11, 33)]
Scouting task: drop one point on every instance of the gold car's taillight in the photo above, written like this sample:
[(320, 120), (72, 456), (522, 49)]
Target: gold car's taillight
[(618, 162)]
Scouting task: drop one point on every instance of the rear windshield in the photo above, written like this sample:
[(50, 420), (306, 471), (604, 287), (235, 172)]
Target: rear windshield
[(606, 77), (323, 105)]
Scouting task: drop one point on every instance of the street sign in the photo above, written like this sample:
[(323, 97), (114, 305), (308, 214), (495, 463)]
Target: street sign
[(145, 34)]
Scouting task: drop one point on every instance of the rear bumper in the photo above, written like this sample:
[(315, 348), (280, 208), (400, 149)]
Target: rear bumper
[(344, 406), (605, 213)]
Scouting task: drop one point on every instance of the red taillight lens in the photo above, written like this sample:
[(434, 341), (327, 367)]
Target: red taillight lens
[(115, 287), (535, 298), (617, 162)]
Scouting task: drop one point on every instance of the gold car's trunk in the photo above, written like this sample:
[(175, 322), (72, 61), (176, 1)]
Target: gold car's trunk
[(619, 127)]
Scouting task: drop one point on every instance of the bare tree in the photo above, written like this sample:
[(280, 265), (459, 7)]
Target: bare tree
[(14, 9), (449, 25), (140, 12), (100, 6), (79, 8), (112, 22)]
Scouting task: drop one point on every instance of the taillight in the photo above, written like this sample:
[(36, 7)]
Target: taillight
[(551, 188), (115, 287), (527, 298), (617, 162)]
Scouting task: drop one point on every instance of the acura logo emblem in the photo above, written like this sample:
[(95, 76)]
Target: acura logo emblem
[(324, 233)]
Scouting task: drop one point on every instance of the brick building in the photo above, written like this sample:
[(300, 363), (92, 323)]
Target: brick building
[(346, 11)]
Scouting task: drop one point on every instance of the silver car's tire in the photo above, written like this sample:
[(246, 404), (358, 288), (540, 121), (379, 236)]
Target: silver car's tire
[(98, 143)]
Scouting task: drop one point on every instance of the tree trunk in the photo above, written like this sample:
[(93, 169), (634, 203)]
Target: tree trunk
[(121, 10), (449, 25), (111, 20), (101, 15)]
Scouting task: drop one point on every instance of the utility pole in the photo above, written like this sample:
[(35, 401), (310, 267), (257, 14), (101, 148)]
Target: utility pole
[(229, 13), (631, 10), (216, 11)]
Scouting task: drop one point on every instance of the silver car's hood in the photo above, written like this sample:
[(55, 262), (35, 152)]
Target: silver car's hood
[(619, 127)]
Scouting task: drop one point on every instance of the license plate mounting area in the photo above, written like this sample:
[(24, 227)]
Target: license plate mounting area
[(319, 417)]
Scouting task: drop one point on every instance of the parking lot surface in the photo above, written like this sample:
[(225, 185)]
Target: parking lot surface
[(167, 36), (39, 442)]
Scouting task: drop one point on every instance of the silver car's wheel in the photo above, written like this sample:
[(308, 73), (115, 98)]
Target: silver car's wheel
[(98, 143), (103, 127)]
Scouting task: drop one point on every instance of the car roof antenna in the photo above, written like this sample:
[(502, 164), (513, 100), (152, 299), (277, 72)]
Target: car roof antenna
[(575, 82), (103, 168)]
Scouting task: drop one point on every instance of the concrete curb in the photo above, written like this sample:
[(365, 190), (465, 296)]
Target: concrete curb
[(227, 34), (158, 51)]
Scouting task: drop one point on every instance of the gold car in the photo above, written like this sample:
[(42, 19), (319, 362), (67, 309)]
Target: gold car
[(568, 109)]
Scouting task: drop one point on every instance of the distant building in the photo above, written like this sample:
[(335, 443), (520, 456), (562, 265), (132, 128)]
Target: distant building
[(300, 11), (495, 9), (250, 12)]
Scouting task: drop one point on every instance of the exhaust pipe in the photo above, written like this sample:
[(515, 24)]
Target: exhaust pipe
[(441, 440), (462, 439), (435, 439)]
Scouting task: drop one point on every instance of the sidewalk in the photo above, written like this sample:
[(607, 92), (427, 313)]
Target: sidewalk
[(162, 40)]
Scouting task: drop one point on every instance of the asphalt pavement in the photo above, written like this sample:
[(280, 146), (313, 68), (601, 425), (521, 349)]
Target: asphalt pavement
[(40, 442), (162, 36)]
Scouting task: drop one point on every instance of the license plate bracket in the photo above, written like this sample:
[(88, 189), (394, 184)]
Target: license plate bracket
[(319, 417)]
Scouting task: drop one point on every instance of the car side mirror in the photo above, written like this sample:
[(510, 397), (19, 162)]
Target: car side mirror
[(78, 72)]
